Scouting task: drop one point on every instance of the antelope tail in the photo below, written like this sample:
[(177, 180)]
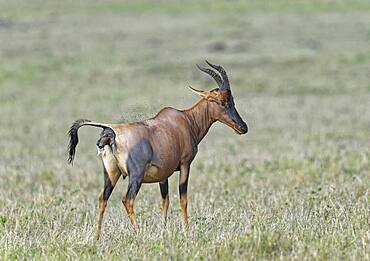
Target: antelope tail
[(73, 135)]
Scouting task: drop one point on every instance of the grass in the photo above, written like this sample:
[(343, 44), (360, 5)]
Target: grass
[(296, 187)]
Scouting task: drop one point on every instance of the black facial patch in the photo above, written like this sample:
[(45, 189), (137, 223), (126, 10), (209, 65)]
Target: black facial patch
[(229, 100), (234, 115)]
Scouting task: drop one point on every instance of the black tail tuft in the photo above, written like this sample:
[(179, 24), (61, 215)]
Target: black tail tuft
[(74, 139)]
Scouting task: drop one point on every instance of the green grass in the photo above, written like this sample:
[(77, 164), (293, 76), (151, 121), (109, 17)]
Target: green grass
[(295, 187)]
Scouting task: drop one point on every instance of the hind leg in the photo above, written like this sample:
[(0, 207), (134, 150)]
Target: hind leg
[(165, 199), (139, 157), (111, 176), (128, 200)]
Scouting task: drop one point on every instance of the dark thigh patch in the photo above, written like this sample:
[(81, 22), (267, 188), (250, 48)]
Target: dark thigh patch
[(139, 156)]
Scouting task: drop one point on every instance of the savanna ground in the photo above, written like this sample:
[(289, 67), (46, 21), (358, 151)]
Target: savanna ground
[(295, 187)]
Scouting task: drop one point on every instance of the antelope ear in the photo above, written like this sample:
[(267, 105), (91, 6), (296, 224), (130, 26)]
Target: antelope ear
[(204, 94)]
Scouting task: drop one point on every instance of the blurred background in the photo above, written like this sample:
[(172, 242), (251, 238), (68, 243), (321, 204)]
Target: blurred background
[(300, 75)]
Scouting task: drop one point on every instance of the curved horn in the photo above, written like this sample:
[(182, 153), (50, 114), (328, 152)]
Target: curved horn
[(214, 75), (222, 71), (199, 92)]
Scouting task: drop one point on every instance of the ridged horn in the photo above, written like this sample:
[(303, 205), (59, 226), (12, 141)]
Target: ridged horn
[(213, 74), (221, 70)]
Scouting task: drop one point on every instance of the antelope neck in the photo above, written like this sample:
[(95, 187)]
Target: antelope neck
[(200, 119)]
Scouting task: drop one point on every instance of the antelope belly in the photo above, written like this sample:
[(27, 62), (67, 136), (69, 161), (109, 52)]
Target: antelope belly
[(153, 175)]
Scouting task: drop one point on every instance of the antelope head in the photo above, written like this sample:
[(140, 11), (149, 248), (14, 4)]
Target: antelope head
[(222, 107)]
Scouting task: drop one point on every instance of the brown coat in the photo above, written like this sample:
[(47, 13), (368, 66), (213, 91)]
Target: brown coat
[(152, 150)]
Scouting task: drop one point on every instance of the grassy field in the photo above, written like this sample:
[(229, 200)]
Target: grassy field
[(296, 187)]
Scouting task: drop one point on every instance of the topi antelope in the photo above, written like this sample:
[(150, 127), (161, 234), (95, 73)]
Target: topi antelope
[(152, 150)]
